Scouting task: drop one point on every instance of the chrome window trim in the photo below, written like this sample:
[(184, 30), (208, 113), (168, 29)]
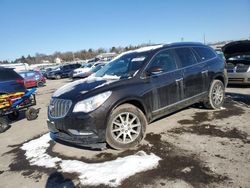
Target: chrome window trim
[(198, 63)]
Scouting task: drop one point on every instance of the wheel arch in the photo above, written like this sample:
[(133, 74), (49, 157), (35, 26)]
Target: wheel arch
[(133, 101)]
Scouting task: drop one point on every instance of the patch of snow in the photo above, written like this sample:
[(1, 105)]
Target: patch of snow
[(111, 173), (70, 86), (143, 49), (148, 48), (106, 83), (187, 169), (138, 59), (111, 77), (36, 152)]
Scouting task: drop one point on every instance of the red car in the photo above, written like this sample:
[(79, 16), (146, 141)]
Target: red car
[(33, 79)]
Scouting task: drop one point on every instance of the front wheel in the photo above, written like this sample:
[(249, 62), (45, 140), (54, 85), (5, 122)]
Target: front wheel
[(126, 127), (216, 95), (31, 114)]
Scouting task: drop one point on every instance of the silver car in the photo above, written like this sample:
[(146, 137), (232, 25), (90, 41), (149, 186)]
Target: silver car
[(237, 56)]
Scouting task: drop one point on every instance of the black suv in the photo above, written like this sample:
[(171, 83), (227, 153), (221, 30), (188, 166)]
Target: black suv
[(62, 71), (137, 87), (10, 81)]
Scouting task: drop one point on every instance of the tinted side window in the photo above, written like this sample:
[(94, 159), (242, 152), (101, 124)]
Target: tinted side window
[(66, 67), (164, 60), (204, 53), (186, 56), (9, 74)]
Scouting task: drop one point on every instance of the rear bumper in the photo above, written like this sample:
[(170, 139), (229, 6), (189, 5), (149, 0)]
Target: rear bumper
[(239, 78)]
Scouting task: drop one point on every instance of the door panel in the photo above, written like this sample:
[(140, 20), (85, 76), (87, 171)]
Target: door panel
[(167, 85), (167, 89), (194, 73)]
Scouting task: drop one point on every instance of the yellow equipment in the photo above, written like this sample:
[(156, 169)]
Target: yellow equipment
[(7, 99)]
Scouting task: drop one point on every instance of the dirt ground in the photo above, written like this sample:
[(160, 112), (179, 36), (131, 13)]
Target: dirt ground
[(197, 147)]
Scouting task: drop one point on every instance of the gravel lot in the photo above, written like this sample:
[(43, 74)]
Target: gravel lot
[(197, 147)]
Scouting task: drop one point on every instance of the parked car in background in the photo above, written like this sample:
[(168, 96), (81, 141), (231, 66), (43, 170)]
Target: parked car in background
[(62, 71), (33, 78), (238, 61), (88, 73), (220, 53), (10, 81), (83, 69), (117, 103)]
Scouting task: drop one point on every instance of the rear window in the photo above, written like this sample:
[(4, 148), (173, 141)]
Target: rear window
[(186, 56), (204, 53), (8, 74)]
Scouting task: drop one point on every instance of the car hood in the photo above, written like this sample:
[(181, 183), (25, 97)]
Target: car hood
[(236, 48), (77, 88)]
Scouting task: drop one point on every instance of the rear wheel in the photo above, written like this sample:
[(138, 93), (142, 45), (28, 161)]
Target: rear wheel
[(126, 127), (4, 125), (40, 84), (216, 95), (31, 114)]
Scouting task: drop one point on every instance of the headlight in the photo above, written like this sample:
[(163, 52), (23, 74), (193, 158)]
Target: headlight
[(91, 103)]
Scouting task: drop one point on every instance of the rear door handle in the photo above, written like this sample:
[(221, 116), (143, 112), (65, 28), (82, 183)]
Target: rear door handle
[(179, 80), (204, 72)]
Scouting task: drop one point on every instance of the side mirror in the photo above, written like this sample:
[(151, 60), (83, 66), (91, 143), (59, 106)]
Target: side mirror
[(154, 71)]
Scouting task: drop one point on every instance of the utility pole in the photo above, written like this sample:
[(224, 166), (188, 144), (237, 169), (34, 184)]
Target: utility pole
[(204, 38), (73, 56), (182, 39)]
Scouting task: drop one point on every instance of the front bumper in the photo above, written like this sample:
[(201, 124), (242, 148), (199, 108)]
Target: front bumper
[(80, 128), (239, 78)]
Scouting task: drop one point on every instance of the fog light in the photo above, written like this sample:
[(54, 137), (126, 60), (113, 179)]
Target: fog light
[(80, 133)]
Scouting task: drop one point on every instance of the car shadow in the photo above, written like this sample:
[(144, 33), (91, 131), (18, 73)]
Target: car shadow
[(238, 97), (237, 86), (57, 180)]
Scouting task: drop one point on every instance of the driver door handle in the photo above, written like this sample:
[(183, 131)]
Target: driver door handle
[(204, 72), (179, 80)]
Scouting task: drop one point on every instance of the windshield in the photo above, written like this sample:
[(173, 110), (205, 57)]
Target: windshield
[(125, 66)]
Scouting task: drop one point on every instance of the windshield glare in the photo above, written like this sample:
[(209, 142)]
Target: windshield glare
[(125, 66)]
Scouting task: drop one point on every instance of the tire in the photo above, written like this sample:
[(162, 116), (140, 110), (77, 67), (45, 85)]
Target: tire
[(40, 84), (4, 125), (216, 95), (126, 127), (31, 114), (58, 77), (14, 116)]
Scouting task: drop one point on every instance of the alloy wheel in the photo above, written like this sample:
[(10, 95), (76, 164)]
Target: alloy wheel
[(126, 127)]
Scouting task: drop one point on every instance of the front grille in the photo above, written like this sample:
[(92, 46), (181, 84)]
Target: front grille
[(240, 68), (236, 79), (59, 108)]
